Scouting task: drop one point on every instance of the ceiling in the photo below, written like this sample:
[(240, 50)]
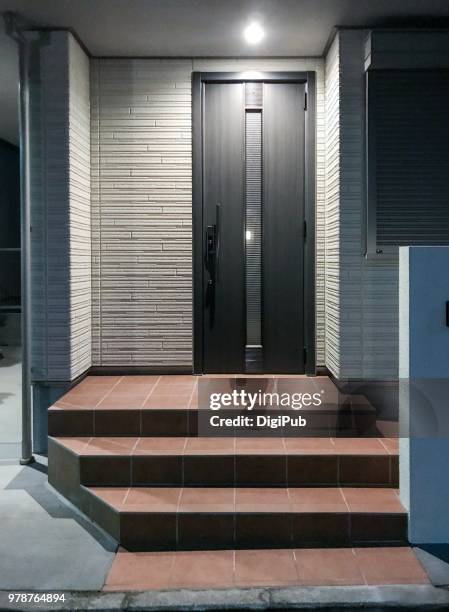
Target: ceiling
[(202, 28)]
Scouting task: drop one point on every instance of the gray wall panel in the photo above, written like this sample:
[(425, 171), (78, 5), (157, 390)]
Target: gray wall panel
[(361, 294), (60, 202)]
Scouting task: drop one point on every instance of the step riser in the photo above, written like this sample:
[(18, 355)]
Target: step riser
[(144, 531), (242, 470), (141, 532), (179, 422)]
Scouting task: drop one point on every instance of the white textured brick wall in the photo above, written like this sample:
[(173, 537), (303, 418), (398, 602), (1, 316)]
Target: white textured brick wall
[(142, 205), (60, 185), (80, 221), (332, 210)]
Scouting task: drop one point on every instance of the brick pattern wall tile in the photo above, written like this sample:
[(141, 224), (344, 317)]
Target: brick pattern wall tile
[(142, 212)]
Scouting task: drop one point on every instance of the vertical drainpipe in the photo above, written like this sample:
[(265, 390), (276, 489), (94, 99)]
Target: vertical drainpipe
[(14, 31)]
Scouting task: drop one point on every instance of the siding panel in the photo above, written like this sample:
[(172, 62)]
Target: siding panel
[(361, 294), (60, 193), (332, 210)]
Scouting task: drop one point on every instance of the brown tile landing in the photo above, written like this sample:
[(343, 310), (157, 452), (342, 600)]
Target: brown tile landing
[(249, 568)]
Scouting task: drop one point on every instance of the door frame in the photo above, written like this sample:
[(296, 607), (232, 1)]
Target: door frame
[(199, 79)]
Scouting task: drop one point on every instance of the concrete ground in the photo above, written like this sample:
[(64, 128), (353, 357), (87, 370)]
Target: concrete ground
[(10, 402), (336, 598), (44, 543)]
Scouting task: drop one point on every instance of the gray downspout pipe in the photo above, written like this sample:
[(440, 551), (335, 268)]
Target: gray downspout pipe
[(14, 31)]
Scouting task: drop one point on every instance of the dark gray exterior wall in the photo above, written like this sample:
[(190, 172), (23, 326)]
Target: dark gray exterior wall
[(60, 218), (361, 293), (60, 209), (9, 239)]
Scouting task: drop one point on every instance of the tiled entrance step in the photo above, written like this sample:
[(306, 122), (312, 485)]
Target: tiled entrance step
[(119, 451), (189, 517), (267, 568), (170, 518), (164, 461), (172, 416), (169, 406)]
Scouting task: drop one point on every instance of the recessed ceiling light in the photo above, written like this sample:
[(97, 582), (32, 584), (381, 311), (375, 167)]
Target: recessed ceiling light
[(253, 33)]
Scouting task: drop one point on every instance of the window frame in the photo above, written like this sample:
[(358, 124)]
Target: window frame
[(372, 250)]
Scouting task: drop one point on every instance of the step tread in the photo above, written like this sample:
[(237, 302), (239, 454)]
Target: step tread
[(151, 392), (251, 500), (358, 403), (158, 446), (260, 567)]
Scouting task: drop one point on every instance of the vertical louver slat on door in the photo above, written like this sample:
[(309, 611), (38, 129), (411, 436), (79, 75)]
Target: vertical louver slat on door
[(253, 233), (409, 119)]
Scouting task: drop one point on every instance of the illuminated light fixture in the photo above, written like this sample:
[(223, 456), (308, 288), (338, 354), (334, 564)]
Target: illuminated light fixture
[(253, 33), (248, 235)]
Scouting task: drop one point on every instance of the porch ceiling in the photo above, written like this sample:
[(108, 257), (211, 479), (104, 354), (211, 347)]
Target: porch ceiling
[(214, 27), (200, 28)]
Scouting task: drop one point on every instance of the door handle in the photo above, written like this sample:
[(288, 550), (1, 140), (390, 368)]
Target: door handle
[(217, 241), (212, 255), (211, 250)]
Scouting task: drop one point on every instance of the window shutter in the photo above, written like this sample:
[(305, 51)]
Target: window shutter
[(409, 121)]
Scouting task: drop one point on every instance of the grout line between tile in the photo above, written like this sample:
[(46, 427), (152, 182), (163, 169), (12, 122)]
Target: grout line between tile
[(172, 561), (157, 382), (126, 496), (183, 456), (344, 498), (295, 560), (380, 441), (360, 566), (131, 461), (195, 385), (150, 394), (178, 501), (86, 444), (109, 392)]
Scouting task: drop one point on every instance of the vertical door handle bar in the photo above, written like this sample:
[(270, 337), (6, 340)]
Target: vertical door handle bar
[(217, 247)]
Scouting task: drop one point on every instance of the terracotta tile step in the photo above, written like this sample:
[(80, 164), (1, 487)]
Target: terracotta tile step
[(227, 461), (246, 499), (171, 391), (203, 518), (199, 445), (249, 568), (167, 400), (177, 420)]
